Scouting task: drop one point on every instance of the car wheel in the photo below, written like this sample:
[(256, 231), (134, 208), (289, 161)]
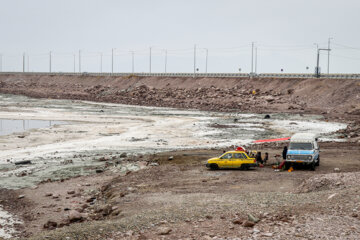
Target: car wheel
[(214, 166), (318, 161)]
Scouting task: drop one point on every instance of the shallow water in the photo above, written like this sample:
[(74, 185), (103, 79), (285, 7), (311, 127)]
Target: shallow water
[(8, 126)]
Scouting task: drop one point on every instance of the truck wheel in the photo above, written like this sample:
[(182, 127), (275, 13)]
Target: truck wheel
[(318, 162), (287, 165), (312, 166), (214, 166)]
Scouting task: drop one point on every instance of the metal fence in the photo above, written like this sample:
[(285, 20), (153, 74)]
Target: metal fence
[(198, 75)]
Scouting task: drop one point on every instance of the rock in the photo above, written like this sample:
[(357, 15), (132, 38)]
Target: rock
[(91, 199), (123, 155), (267, 234), (23, 162), (64, 222), (163, 230), (56, 196), (66, 162), (355, 215), (71, 192), (115, 212), (332, 195), (21, 196), (248, 224), (48, 194), (237, 221), (99, 170), (267, 116), (50, 225), (336, 169), (75, 216), (253, 219), (153, 164), (143, 164), (171, 158), (84, 206), (102, 159)]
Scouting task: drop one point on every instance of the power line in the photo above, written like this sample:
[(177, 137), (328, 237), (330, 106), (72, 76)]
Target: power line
[(345, 46)]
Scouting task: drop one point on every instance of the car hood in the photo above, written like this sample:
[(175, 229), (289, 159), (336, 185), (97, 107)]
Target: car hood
[(213, 159)]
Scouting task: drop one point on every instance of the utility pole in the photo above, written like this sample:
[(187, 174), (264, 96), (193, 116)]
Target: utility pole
[(255, 59), (150, 62), (23, 62), (79, 61), (132, 61), (101, 55), (252, 56), (74, 62), (112, 60), (328, 63), (194, 60), (206, 62), (317, 71), (165, 59)]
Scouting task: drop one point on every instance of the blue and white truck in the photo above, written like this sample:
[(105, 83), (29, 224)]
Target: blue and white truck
[(303, 149)]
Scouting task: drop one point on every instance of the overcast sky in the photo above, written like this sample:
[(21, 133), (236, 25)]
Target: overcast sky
[(284, 32)]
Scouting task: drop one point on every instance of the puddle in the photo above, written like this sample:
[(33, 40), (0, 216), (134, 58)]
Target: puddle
[(9, 126)]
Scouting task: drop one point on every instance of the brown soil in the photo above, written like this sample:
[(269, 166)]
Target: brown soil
[(327, 96), (191, 201)]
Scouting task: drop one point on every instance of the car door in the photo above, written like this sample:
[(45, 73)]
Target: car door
[(237, 160), (226, 160), (246, 159)]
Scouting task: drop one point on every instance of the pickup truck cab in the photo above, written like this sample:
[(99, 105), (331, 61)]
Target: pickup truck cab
[(303, 149), (232, 159)]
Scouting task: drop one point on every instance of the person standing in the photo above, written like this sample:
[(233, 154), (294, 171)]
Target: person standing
[(284, 153)]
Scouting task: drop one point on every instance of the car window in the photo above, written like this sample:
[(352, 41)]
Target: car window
[(227, 156), (244, 155), (238, 155)]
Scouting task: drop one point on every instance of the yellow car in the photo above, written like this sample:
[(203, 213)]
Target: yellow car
[(232, 159)]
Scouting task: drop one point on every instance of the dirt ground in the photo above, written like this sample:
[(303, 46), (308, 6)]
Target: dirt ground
[(180, 198), (325, 96)]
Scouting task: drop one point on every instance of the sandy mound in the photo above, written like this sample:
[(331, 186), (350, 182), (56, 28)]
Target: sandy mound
[(329, 181)]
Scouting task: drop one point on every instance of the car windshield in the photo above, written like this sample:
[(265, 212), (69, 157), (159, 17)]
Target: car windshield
[(301, 146)]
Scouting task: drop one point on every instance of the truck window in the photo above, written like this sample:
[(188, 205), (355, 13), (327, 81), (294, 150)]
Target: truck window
[(300, 146)]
